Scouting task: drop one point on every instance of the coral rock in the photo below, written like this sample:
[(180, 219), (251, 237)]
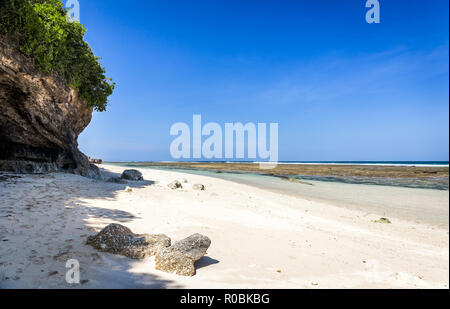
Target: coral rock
[(175, 185), (119, 239), (132, 175), (181, 256), (199, 187)]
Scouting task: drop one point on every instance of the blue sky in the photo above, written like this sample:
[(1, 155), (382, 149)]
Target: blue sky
[(340, 89)]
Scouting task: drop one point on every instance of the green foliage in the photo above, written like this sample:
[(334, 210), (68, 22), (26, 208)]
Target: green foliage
[(57, 46)]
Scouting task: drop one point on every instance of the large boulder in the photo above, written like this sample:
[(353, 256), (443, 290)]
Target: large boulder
[(181, 256), (132, 175), (40, 119), (119, 239)]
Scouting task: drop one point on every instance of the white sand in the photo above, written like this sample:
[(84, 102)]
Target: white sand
[(260, 239)]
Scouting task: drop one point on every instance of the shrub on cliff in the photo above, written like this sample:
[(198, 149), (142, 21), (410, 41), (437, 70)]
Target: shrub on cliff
[(57, 46)]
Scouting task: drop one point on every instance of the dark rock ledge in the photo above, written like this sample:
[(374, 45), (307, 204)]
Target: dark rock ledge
[(40, 120)]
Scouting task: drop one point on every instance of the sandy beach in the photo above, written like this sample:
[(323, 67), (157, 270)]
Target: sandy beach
[(260, 238)]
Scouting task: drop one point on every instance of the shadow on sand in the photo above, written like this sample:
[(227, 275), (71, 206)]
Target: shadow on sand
[(205, 261)]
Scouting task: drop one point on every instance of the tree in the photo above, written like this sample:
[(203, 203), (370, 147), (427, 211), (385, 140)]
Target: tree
[(57, 46)]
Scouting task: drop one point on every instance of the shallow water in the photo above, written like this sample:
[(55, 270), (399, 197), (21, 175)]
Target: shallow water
[(437, 183)]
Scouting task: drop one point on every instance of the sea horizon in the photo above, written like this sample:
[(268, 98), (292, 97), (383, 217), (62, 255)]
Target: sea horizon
[(380, 163)]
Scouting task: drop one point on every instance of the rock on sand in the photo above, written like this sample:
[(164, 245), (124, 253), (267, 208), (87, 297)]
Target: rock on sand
[(132, 175), (119, 239), (181, 256)]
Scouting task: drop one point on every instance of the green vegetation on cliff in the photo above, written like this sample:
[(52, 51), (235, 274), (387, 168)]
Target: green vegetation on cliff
[(57, 46)]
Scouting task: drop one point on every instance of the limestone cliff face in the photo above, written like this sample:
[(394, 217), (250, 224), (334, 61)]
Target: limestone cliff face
[(40, 120)]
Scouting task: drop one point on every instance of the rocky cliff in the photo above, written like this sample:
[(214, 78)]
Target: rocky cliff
[(40, 119)]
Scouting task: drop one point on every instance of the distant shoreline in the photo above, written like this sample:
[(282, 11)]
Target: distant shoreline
[(352, 163), (426, 177), (311, 169)]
